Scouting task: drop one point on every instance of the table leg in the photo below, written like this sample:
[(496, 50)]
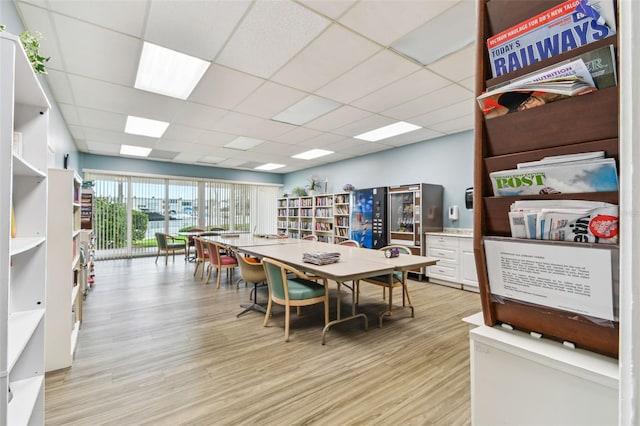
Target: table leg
[(339, 320)]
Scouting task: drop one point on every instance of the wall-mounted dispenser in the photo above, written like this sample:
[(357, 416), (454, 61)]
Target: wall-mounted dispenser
[(468, 198), (454, 213)]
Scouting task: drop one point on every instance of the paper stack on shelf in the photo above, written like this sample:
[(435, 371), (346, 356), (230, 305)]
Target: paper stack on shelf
[(565, 220), (320, 257), (557, 175)]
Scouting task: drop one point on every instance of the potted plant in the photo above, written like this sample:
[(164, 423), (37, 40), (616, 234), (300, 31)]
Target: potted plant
[(314, 185), (299, 191)]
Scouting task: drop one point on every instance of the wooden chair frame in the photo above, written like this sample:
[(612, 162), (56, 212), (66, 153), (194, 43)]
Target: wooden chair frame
[(217, 261), (168, 244), (287, 302)]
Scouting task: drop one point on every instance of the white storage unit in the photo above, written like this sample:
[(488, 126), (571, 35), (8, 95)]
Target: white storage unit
[(24, 109), (456, 267), (64, 270)]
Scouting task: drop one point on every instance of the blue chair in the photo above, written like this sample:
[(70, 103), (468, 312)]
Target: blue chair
[(293, 290)]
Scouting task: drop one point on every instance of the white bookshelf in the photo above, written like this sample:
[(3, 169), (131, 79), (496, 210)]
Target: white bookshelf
[(326, 216), (24, 109), (64, 269)]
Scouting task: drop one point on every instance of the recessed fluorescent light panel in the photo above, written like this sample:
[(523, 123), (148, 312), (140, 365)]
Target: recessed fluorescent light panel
[(269, 166), (385, 132), (168, 72), (145, 126), (314, 153), (243, 143), (137, 151), (457, 22), (306, 110)]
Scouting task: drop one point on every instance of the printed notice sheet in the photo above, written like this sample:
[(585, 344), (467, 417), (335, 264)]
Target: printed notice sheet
[(576, 279)]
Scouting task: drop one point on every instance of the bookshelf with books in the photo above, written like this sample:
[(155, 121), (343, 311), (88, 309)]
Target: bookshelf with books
[(24, 118), (66, 276), (341, 215), (293, 217), (323, 217), (306, 216), (579, 124)]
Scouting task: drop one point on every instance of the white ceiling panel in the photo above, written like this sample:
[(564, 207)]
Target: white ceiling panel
[(386, 21), (382, 69), (106, 14), (194, 33), (458, 65), (338, 118), (223, 87), (333, 53), (266, 55), (448, 95), (270, 34), (330, 8), (101, 54), (270, 99), (404, 90)]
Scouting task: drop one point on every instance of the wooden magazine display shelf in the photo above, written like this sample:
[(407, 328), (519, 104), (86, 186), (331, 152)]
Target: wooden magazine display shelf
[(579, 124)]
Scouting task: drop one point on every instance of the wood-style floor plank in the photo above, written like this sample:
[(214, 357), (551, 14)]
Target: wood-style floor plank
[(158, 347)]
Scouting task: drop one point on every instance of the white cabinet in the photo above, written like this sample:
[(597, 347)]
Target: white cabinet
[(23, 187), (64, 270), (456, 267)]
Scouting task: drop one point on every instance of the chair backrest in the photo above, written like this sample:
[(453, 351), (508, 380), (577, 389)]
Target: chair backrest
[(250, 272), (310, 238), (401, 248), (276, 278), (161, 239), (213, 251), (199, 244), (350, 243), (192, 237)]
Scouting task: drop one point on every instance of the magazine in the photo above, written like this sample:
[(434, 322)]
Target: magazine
[(565, 220), (567, 26), (598, 175), (559, 159), (551, 84)]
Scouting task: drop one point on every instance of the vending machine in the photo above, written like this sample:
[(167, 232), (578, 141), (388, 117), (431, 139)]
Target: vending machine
[(369, 217)]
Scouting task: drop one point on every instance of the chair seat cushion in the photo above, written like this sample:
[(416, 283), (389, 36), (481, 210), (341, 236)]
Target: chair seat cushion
[(384, 279), (304, 289), (251, 260), (175, 245), (228, 260)]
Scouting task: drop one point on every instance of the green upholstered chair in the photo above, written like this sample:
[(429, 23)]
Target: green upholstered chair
[(169, 244), (293, 290), (390, 281)]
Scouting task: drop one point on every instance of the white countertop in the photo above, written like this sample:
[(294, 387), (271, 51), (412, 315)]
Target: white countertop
[(453, 232)]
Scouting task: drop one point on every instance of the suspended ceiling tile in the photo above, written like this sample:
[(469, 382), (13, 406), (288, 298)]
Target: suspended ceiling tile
[(102, 119), (224, 87), (298, 135), (96, 147), (184, 147), (333, 53), (60, 87), (401, 91), (214, 139), (187, 157), (369, 123), (162, 155), (182, 133), (411, 137), (203, 27), (269, 36), (269, 99), (331, 8), (199, 116), (380, 70), (338, 118), (77, 132), (70, 114), (440, 98), (98, 53), (456, 125), (386, 21), (440, 115), (458, 65), (323, 141), (117, 15)]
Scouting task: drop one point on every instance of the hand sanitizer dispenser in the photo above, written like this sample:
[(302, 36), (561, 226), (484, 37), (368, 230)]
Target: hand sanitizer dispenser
[(453, 213)]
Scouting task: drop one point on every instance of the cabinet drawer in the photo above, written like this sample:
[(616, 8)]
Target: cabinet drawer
[(443, 253), (444, 271), (442, 241)]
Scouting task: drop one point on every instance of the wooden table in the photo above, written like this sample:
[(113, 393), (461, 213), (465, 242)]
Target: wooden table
[(355, 264)]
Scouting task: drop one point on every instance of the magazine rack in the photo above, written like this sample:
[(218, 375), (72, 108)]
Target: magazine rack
[(579, 124)]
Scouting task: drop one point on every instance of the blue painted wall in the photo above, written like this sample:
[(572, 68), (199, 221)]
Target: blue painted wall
[(447, 161)]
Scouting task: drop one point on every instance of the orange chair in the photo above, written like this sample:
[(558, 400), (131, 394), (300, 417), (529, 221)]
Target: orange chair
[(219, 261)]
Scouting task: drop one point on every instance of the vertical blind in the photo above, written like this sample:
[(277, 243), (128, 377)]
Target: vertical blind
[(131, 209)]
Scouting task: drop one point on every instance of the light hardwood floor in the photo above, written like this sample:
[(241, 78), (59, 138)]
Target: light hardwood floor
[(159, 347)]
